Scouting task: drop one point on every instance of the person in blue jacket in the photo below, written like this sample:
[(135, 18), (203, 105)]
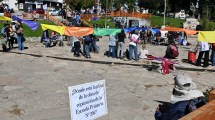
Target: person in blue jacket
[(185, 99)]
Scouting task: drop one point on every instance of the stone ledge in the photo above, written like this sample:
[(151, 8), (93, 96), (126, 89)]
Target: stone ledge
[(153, 63)]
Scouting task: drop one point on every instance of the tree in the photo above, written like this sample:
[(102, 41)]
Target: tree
[(78, 4)]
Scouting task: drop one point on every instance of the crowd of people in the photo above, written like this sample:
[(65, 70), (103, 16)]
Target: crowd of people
[(13, 33), (5, 8), (73, 17), (185, 98)]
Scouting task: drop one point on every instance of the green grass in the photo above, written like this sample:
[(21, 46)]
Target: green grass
[(158, 21), (155, 21), (101, 22), (30, 33), (38, 32)]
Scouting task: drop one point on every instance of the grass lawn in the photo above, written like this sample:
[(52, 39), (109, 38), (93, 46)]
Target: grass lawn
[(101, 22), (158, 21), (38, 32), (30, 33), (155, 21)]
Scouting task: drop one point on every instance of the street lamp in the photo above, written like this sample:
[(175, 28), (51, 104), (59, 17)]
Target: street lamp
[(164, 19), (106, 14)]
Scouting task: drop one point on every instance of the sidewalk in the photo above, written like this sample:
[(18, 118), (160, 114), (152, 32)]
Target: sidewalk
[(34, 83)]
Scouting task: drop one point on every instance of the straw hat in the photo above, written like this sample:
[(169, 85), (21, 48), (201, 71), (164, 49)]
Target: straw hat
[(184, 89)]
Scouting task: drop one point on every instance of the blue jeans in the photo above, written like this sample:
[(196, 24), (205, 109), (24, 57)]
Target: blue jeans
[(94, 46), (131, 49), (47, 42), (87, 50), (20, 43), (213, 58), (112, 49)]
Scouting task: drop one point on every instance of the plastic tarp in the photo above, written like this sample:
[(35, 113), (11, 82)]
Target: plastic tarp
[(106, 32), (31, 24), (154, 31), (133, 28), (174, 29), (3, 18), (190, 32), (58, 29), (78, 31), (206, 36)]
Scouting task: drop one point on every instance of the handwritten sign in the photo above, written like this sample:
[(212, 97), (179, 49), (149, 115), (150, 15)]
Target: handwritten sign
[(88, 101)]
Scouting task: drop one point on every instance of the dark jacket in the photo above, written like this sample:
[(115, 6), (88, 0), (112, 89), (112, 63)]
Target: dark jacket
[(121, 37), (179, 109)]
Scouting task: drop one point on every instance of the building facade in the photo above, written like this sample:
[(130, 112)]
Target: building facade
[(27, 5)]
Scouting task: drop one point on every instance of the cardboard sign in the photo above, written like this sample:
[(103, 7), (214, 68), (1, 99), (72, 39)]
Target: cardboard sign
[(88, 101)]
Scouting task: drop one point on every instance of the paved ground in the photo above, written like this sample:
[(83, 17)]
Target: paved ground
[(36, 87)]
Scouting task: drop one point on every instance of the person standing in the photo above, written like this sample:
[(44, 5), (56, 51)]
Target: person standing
[(20, 37), (213, 55), (134, 39), (87, 45), (7, 33), (94, 46), (121, 44), (12, 38), (204, 50), (112, 46), (69, 16)]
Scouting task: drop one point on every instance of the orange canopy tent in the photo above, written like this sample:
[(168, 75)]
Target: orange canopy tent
[(175, 29)]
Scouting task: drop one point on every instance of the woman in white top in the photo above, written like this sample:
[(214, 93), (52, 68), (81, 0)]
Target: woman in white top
[(134, 39), (204, 50), (112, 46)]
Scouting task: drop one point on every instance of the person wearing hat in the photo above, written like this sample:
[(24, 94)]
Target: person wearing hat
[(185, 98)]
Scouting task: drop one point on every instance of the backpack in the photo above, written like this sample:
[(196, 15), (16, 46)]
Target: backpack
[(174, 51), (87, 38), (3, 32)]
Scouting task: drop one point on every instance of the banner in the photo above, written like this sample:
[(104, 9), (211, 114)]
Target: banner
[(78, 31), (154, 31), (59, 29), (88, 101), (175, 29), (3, 18), (206, 36), (31, 24), (190, 32), (105, 32)]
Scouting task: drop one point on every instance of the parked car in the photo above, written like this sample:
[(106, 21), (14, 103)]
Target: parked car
[(53, 12), (60, 12)]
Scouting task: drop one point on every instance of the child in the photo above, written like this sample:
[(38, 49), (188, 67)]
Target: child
[(143, 52)]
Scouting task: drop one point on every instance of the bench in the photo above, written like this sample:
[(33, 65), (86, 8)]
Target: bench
[(206, 112)]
